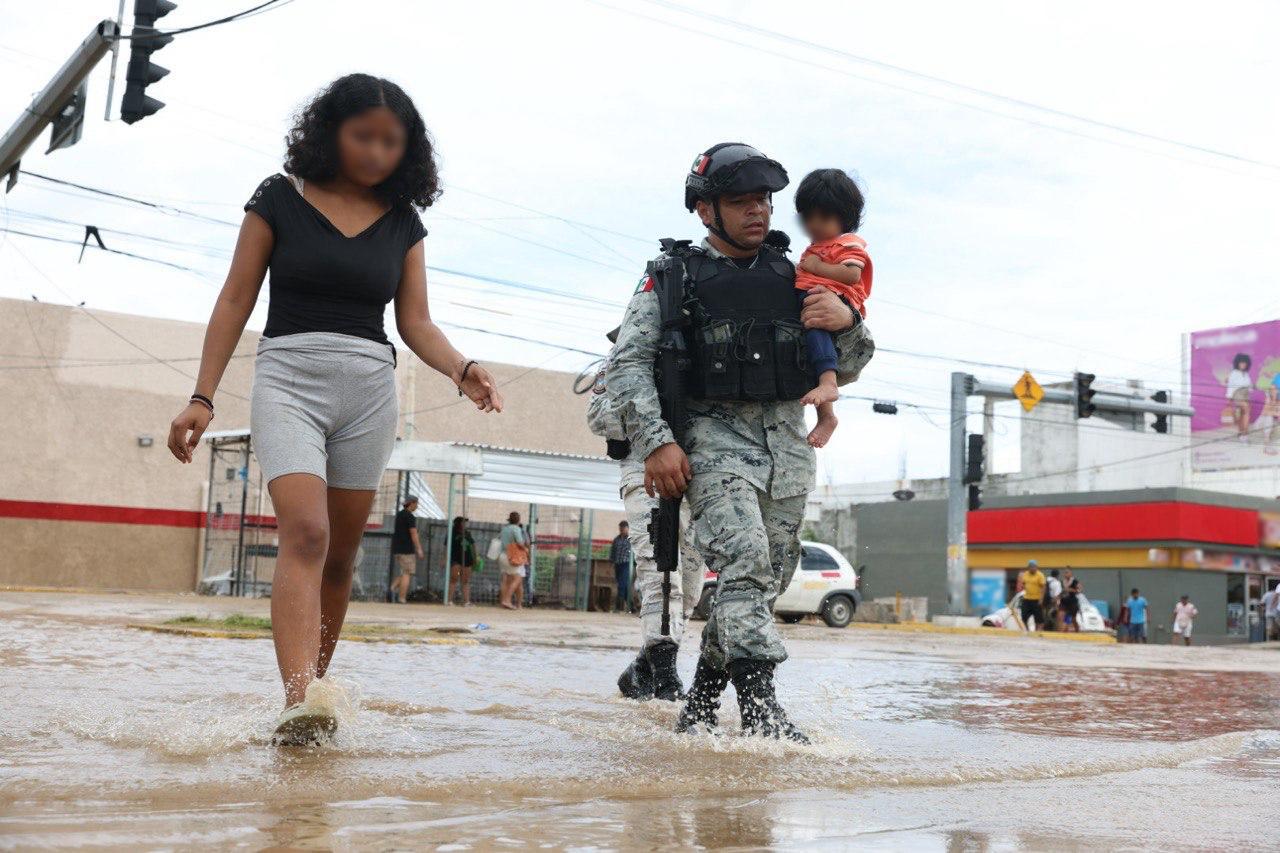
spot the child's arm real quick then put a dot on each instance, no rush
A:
(843, 273)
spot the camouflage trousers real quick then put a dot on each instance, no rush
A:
(686, 584)
(752, 542)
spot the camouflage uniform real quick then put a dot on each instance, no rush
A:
(686, 584)
(752, 471)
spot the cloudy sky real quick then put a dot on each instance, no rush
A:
(1048, 187)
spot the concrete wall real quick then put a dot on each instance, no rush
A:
(75, 396)
(904, 549)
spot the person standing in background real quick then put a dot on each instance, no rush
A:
(1053, 596)
(1137, 617)
(462, 558)
(406, 547)
(1070, 607)
(1271, 612)
(1032, 583)
(1184, 614)
(514, 560)
(620, 556)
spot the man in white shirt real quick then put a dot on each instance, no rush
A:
(1271, 610)
(1184, 614)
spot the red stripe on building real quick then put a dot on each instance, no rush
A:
(100, 513)
(1144, 522)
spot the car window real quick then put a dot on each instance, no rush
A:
(817, 560)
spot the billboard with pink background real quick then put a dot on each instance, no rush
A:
(1235, 391)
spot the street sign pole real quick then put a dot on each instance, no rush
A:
(957, 536)
(1030, 393)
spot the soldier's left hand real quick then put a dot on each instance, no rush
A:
(823, 309)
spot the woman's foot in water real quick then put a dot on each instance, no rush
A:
(310, 722)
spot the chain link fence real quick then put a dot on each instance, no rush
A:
(241, 543)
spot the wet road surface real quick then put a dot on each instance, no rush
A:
(116, 737)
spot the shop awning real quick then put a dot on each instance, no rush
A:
(554, 479)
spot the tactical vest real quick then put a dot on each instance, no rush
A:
(745, 341)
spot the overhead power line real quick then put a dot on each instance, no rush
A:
(973, 90)
(220, 21)
(132, 199)
(755, 48)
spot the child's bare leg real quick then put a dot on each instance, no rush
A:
(826, 391)
(826, 425)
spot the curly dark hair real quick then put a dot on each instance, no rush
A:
(313, 142)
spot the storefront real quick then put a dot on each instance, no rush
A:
(1221, 550)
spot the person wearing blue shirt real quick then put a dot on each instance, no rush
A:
(1137, 617)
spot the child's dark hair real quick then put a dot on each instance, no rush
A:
(1242, 357)
(313, 142)
(833, 192)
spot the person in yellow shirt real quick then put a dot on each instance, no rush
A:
(1032, 583)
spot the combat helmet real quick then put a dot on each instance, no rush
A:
(730, 168)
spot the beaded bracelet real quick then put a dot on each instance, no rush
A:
(465, 369)
(204, 401)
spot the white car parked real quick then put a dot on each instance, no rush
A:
(824, 583)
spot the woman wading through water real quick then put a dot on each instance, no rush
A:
(340, 236)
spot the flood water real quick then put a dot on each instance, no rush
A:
(114, 737)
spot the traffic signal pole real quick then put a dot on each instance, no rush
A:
(964, 386)
(60, 94)
(957, 507)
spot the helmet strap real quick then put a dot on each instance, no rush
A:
(718, 228)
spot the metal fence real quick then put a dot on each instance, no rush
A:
(239, 538)
(240, 541)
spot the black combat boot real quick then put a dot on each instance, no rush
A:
(703, 699)
(761, 713)
(662, 662)
(636, 681)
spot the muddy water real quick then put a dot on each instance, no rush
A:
(117, 737)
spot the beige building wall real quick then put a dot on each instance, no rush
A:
(82, 503)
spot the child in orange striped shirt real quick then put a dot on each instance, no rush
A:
(830, 206)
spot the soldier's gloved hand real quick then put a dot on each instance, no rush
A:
(667, 472)
(824, 309)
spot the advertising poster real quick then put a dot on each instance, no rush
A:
(986, 591)
(1235, 391)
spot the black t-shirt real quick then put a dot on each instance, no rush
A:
(464, 550)
(401, 542)
(322, 280)
(1070, 603)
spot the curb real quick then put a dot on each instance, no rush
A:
(232, 634)
(929, 628)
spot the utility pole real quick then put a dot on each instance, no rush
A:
(957, 534)
(60, 103)
(1080, 396)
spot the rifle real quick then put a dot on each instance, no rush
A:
(668, 272)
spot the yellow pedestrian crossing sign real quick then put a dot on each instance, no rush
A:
(1028, 391)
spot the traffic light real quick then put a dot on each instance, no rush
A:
(975, 498)
(1161, 424)
(884, 408)
(145, 40)
(1084, 395)
(974, 460)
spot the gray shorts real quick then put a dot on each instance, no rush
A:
(325, 404)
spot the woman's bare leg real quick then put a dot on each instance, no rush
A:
(348, 515)
(301, 511)
(465, 577)
(455, 579)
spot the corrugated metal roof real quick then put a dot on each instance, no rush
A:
(554, 479)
